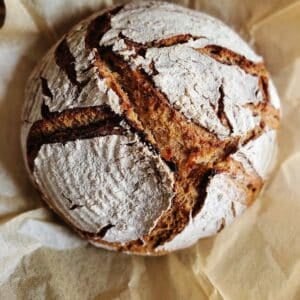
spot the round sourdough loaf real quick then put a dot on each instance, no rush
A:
(149, 126)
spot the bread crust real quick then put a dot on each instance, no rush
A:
(202, 144)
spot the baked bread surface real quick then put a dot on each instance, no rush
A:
(149, 126)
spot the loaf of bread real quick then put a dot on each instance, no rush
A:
(149, 126)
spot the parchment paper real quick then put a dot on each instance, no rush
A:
(257, 257)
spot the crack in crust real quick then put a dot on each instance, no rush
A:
(69, 125)
(70, 118)
(45, 89)
(102, 232)
(203, 184)
(192, 153)
(226, 56)
(66, 61)
(221, 111)
(140, 49)
(99, 26)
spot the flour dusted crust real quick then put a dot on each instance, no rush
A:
(136, 186)
(149, 126)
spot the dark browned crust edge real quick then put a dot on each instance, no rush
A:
(70, 125)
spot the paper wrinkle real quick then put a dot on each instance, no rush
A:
(256, 257)
(273, 14)
(49, 235)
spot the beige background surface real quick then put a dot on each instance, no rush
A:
(257, 257)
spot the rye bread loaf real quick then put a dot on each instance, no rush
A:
(149, 126)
